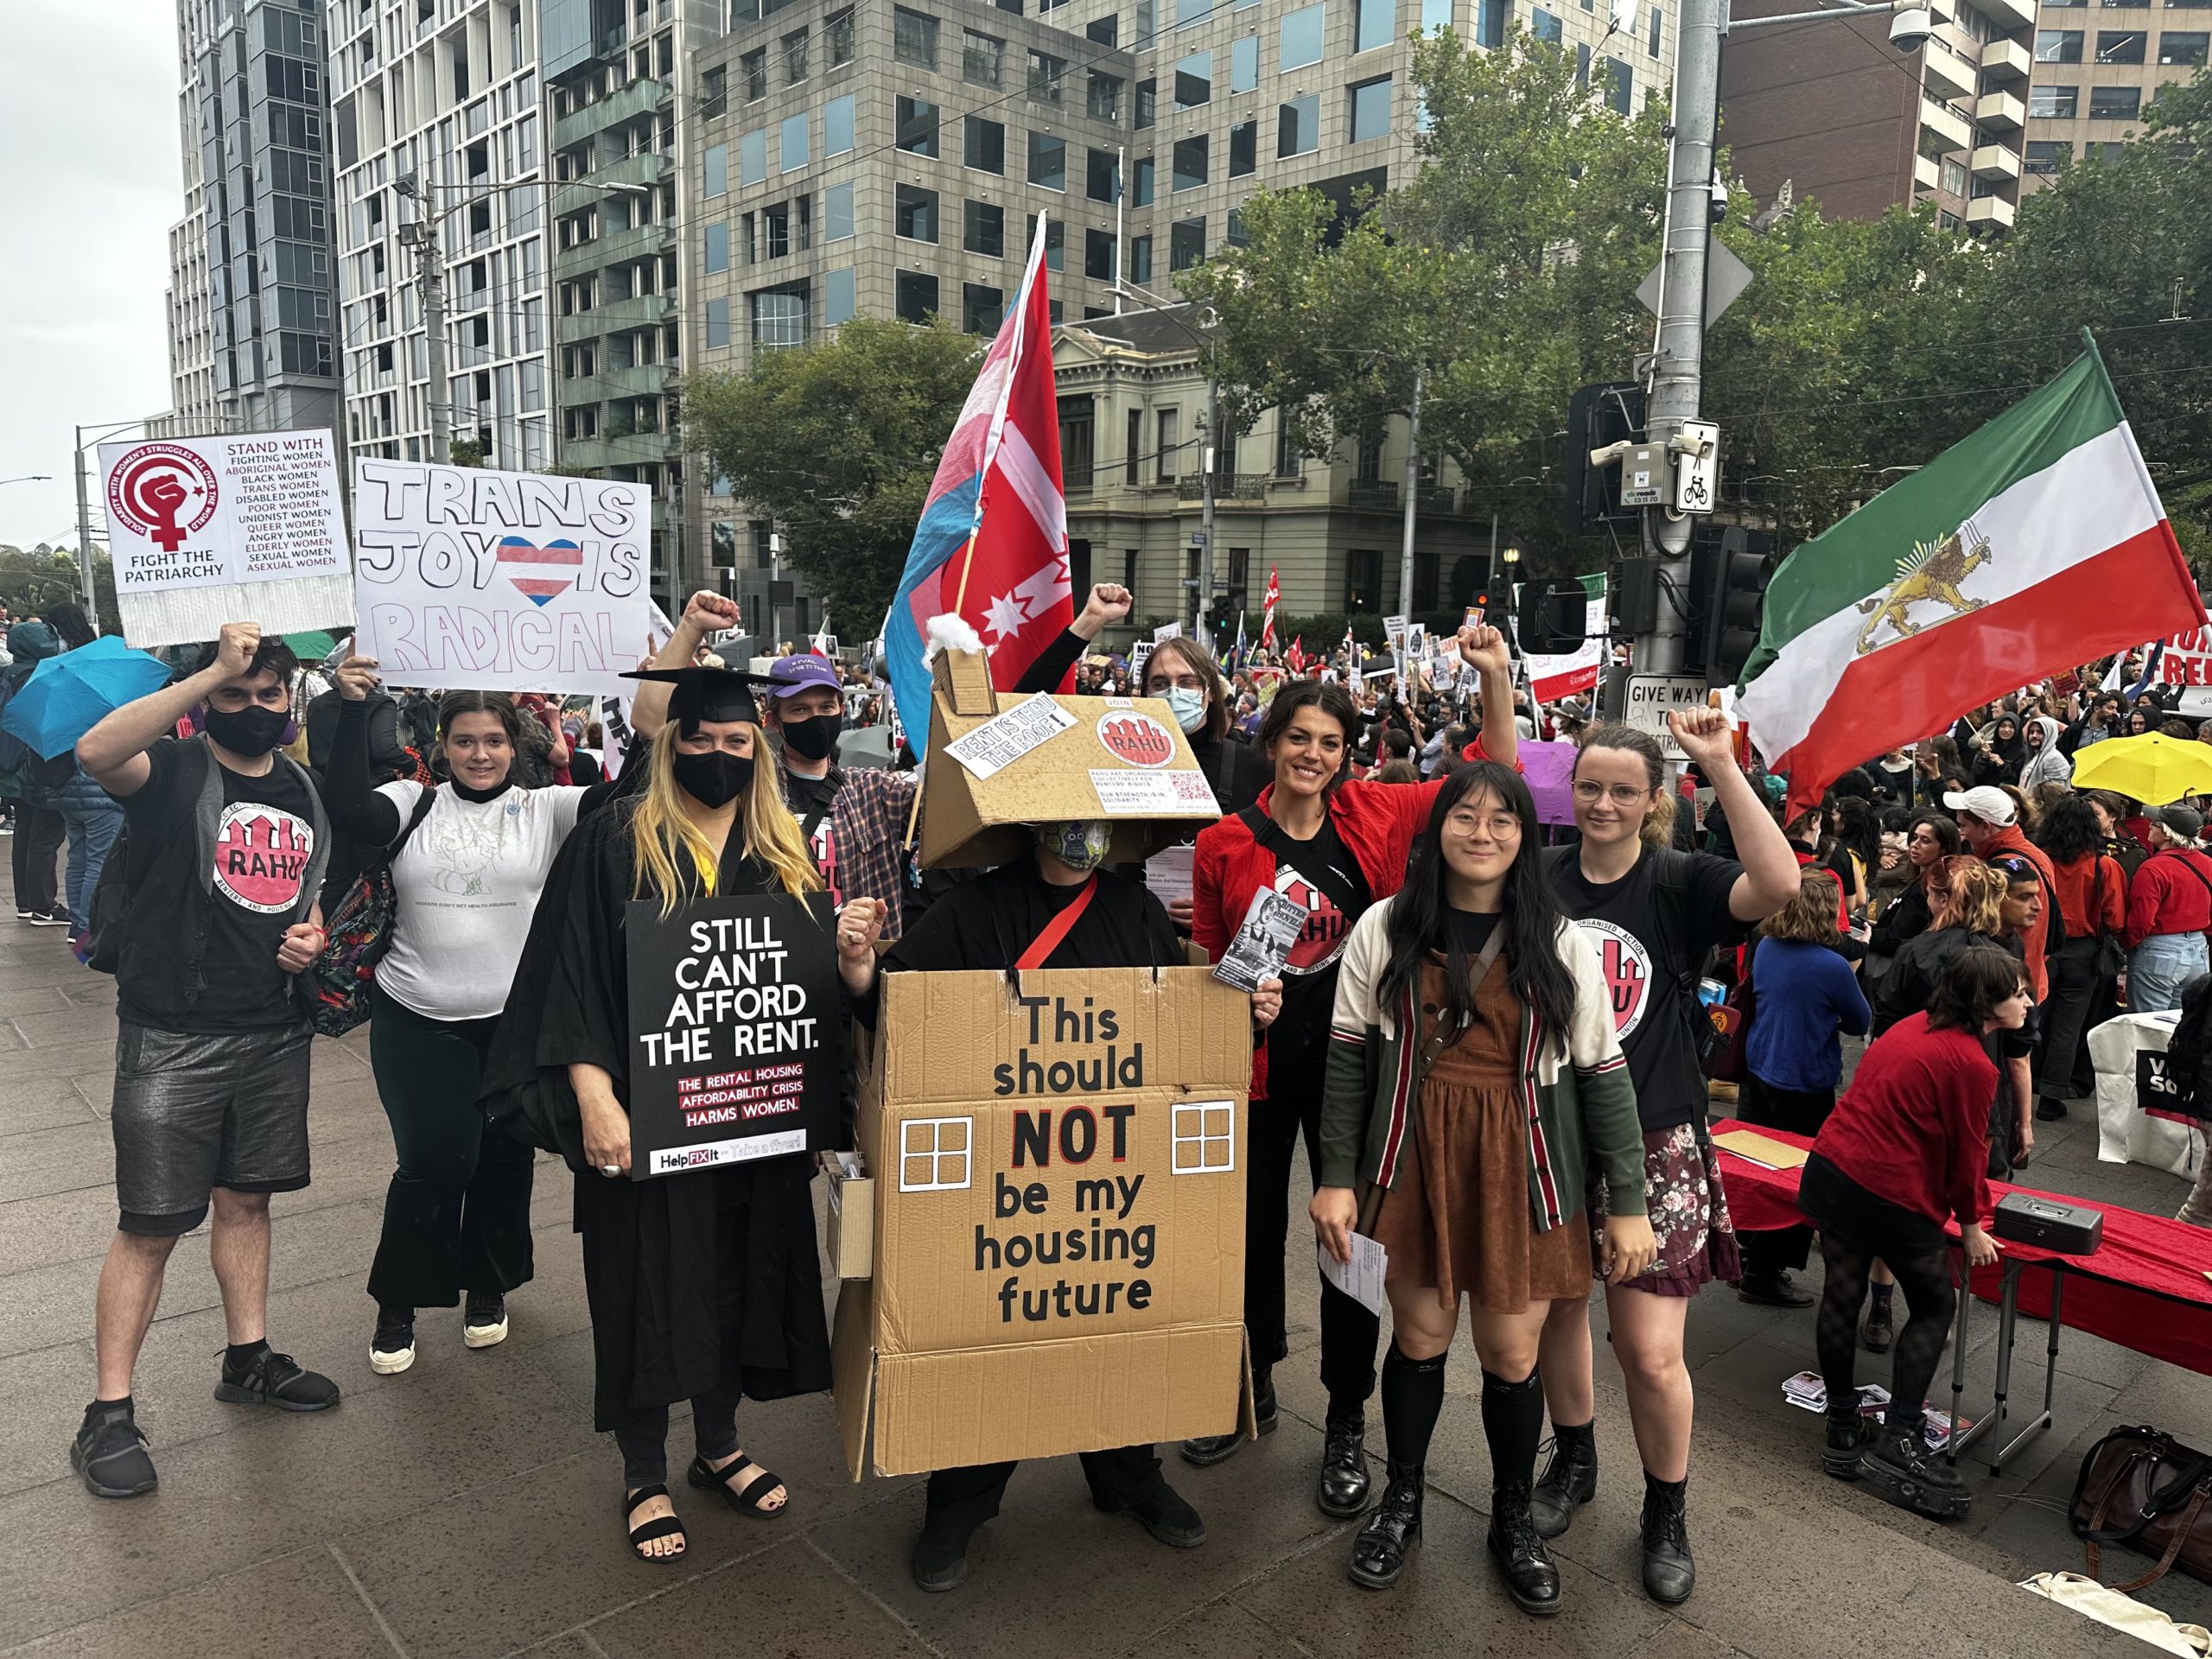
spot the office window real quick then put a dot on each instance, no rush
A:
(1104, 31)
(982, 145)
(1374, 22)
(753, 66)
(1147, 105)
(1435, 15)
(778, 319)
(752, 157)
(1167, 450)
(1621, 84)
(1371, 110)
(1301, 38)
(1651, 41)
(1186, 243)
(1544, 26)
(749, 239)
(1489, 23)
(1288, 463)
(1098, 256)
(1245, 64)
(792, 144)
(1132, 449)
(913, 39)
(837, 33)
(1148, 22)
(1103, 99)
(2058, 45)
(1048, 161)
(982, 58)
(717, 324)
(1190, 11)
(794, 57)
(1237, 236)
(2044, 155)
(716, 245)
(913, 295)
(2121, 46)
(776, 229)
(982, 309)
(1102, 176)
(1047, 75)
(1951, 175)
(914, 213)
(1140, 258)
(1297, 126)
(1243, 149)
(982, 229)
(714, 94)
(837, 213)
(2184, 48)
(837, 126)
(1194, 80)
(1141, 187)
(1056, 241)
(837, 305)
(715, 165)
(1362, 580)
(2052, 102)
(2115, 103)
(1582, 63)
(1191, 156)
(916, 129)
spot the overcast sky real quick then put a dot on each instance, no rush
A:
(90, 182)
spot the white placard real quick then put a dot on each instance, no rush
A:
(1153, 794)
(1168, 631)
(215, 529)
(1361, 1278)
(500, 581)
(1167, 872)
(1004, 739)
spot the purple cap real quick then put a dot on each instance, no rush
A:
(788, 676)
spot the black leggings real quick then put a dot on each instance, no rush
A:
(1856, 1228)
(644, 1439)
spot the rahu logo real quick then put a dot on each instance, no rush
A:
(163, 492)
(1627, 968)
(1321, 938)
(1929, 576)
(261, 857)
(1138, 739)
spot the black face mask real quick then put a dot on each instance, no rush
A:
(714, 779)
(813, 739)
(249, 731)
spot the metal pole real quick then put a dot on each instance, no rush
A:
(1678, 372)
(1413, 490)
(430, 277)
(1121, 240)
(1206, 454)
(1490, 583)
(85, 538)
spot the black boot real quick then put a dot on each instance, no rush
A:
(1570, 1479)
(1899, 1465)
(1345, 1482)
(1531, 1575)
(1379, 1552)
(1846, 1441)
(1878, 1333)
(1206, 1450)
(1669, 1574)
(940, 1557)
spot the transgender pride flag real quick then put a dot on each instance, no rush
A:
(540, 573)
(992, 544)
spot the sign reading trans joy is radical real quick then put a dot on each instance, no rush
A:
(500, 581)
(206, 530)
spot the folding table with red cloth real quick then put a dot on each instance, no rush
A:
(2147, 1288)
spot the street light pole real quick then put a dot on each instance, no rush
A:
(1207, 453)
(1413, 489)
(85, 538)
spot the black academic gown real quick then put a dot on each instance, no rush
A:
(694, 1282)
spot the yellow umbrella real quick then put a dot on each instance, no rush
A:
(2153, 768)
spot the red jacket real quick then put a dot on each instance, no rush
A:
(1914, 1126)
(2092, 883)
(2010, 840)
(2166, 897)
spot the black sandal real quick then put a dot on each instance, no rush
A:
(666, 1526)
(707, 1478)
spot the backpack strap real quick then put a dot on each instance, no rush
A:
(1350, 893)
(318, 829)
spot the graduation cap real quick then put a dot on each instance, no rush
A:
(716, 694)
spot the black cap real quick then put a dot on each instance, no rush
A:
(716, 694)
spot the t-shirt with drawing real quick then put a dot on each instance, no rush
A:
(814, 798)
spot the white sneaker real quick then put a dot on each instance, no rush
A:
(485, 1323)
(392, 1351)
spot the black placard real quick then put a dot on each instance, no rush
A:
(734, 1031)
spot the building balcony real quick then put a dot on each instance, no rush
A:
(644, 167)
(2007, 60)
(1995, 162)
(646, 311)
(649, 380)
(1927, 172)
(1947, 125)
(618, 449)
(639, 97)
(2002, 110)
(1944, 72)
(617, 248)
(1991, 214)
(1374, 495)
(1227, 487)
(2010, 14)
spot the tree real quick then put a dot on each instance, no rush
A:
(837, 443)
(32, 579)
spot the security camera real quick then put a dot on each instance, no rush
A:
(1606, 457)
(1717, 204)
(1909, 30)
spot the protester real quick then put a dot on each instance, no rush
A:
(2090, 889)
(1989, 821)
(1055, 908)
(90, 816)
(1999, 751)
(1932, 839)
(2046, 762)
(226, 845)
(1902, 1155)
(1806, 997)
(1469, 1148)
(1654, 915)
(705, 1286)
(2169, 907)
(1184, 675)
(28, 785)
(1338, 845)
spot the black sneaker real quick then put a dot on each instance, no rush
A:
(109, 1453)
(1163, 1513)
(392, 1351)
(273, 1379)
(940, 1558)
(2048, 1110)
(485, 1323)
(46, 918)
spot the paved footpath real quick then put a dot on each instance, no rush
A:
(466, 1508)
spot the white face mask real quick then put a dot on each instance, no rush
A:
(1190, 707)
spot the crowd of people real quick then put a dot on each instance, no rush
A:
(1489, 1035)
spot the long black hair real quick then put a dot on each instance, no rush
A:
(2068, 830)
(1419, 921)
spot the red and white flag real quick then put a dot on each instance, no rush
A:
(1267, 612)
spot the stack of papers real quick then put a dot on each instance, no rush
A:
(1807, 1392)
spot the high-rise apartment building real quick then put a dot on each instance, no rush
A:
(436, 121)
(2097, 70)
(252, 291)
(1832, 109)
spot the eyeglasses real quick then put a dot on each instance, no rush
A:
(1620, 794)
(1465, 821)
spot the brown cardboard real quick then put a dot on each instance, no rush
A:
(852, 1221)
(967, 820)
(993, 1108)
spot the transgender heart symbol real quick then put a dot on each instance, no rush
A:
(541, 573)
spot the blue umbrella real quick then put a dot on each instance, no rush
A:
(67, 696)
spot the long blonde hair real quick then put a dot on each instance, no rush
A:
(1976, 896)
(661, 828)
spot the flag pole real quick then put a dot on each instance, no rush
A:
(1030, 274)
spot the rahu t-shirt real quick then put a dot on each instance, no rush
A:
(1653, 1011)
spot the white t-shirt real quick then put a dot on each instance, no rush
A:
(468, 880)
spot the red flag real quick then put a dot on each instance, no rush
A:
(1267, 615)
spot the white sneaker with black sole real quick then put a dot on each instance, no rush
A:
(392, 1351)
(485, 1323)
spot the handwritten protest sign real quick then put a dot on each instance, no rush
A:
(500, 581)
(215, 529)
(734, 1031)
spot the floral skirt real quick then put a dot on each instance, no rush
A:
(1688, 1211)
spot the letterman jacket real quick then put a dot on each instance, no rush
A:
(1580, 1106)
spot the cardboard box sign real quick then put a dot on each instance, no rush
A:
(851, 1238)
(1121, 757)
(1058, 1160)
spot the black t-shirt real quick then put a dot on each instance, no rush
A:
(811, 798)
(263, 843)
(989, 922)
(1298, 1042)
(1644, 970)
(1471, 929)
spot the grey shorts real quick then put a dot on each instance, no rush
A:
(194, 1113)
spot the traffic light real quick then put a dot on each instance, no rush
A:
(1554, 616)
(1734, 602)
(1596, 416)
